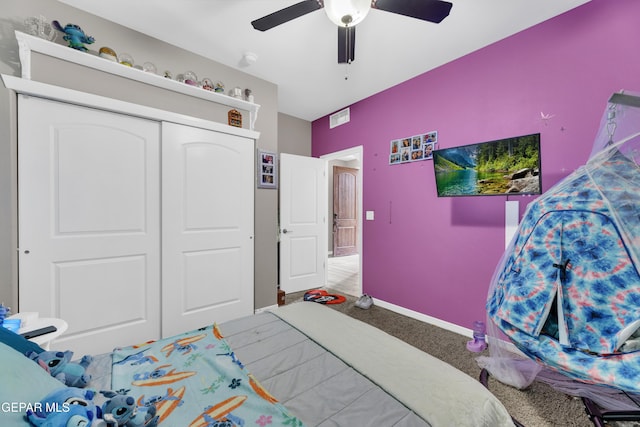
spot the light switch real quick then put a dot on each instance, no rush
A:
(369, 215)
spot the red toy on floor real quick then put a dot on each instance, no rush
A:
(323, 297)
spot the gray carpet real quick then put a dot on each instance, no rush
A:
(538, 406)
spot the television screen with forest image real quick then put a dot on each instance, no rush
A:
(509, 166)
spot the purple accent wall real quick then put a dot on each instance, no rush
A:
(435, 255)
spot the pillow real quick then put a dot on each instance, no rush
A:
(18, 342)
(23, 382)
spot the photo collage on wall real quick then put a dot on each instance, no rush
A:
(267, 169)
(413, 148)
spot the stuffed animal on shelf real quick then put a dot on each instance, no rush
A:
(123, 410)
(74, 35)
(60, 366)
(65, 407)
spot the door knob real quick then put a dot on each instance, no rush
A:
(285, 231)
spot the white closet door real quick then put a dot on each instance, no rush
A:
(207, 227)
(89, 223)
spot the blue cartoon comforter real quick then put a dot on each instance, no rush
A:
(196, 380)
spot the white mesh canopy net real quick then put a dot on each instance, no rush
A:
(566, 292)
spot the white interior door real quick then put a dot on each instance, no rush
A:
(207, 227)
(303, 227)
(89, 223)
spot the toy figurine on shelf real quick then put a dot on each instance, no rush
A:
(108, 53)
(150, 67)
(126, 60)
(74, 35)
(207, 84)
(236, 92)
(248, 96)
(190, 78)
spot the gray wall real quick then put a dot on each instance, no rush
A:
(165, 57)
(294, 136)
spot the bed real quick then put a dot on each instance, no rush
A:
(300, 364)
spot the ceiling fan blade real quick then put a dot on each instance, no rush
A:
(427, 10)
(287, 14)
(346, 44)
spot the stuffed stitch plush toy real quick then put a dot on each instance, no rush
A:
(60, 366)
(73, 417)
(123, 410)
(65, 407)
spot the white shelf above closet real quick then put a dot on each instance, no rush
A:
(28, 44)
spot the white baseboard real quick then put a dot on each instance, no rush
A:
(424, 318)
(452, 327)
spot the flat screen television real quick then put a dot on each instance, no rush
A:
(509, 166)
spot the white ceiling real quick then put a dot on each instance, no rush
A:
(300, 56)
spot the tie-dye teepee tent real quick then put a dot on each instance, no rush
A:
(567, 290)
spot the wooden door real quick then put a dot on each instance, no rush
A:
(89, 223)
(207, 227)
(303, 234)
(345, 211)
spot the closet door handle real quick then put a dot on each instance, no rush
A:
(285, 231)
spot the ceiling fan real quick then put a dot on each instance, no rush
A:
(346, 14)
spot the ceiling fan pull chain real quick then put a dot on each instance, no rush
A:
(347, 47)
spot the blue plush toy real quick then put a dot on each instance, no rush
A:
(65, 407)
(123, 410)
(74, 35)
(73, 417)
(60, 366)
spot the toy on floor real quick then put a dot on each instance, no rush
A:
(60, 366)
(323, 297)
(478, 343)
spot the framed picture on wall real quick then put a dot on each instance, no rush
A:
(414, 148)
(267, 169)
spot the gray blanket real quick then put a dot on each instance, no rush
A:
(332, 370)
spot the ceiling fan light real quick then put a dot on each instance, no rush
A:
(347, 13)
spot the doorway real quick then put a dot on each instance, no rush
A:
(344, 273)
